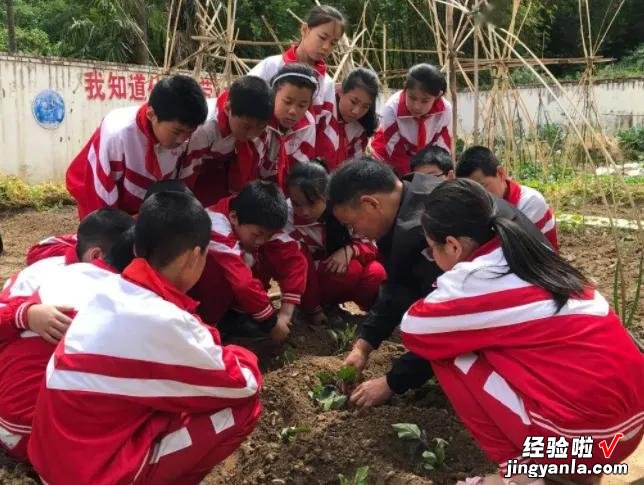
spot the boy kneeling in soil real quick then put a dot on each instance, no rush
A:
(140, 390)
(31, 331)
(481, 165)
(136, 146)
(248, 247)
(521, 342)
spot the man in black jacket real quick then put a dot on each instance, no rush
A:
(368, 198)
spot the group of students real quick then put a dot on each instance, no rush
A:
(112, 366)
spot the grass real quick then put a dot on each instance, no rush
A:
(17, 194)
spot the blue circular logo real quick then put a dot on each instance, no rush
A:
(49, 109)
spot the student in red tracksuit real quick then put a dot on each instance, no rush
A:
(433, 160)
(480, 164)
(417, 116)
(248, 247)
(341, 267)
(520, 341)
(355, 118)
(95, 236)
(323, 28)
(290, 135)
(65, 244)
(137, 146)
(140, 390)
(236, 117)
(26, 351)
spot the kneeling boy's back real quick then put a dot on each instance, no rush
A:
(140, 390)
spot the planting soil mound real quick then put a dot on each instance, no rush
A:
(334, 442)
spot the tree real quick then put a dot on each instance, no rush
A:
(11, 27)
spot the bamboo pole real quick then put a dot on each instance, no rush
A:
(476, 86)
(449, 27)
(384, 55)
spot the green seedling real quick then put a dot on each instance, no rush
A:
(288, 435)
(360, 478)
(427, 455)
(344, 338)
(333, 388)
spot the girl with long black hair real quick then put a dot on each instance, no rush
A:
(522, 344)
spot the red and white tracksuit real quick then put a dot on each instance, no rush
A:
(141, 391)
(400, 135)
(352, 142)
(323, 101)
(274, 153)
(120, 162)
(234, 278)
(534, 206)
(214, 148)
(359, 284)
(27, 281)
(24, 354)
(513, 367)
(61, 245)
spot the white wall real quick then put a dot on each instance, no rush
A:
(37, 154)
(620, 104)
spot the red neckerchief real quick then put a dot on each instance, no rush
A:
(513, 194)
(70, 255)
(223, 122)
(283, 161)
(142, 274)
(291, 56)
(342, 135)
(437, 107)
(151, 160)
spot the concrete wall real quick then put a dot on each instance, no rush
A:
(38, 152)
(620, 104)
(89, 90)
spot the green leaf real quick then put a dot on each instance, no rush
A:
(407, 431)
(343, 480)
(440, 455)
(326, 378)
(361, 475)
(429, 458)
(348, 374)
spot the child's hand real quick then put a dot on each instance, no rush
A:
(318, 318)
(49, 321)
(338, 262)
(359, 355)
(281, 330)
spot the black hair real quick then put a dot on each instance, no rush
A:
(102, 228)
(252, 97)
(366, 79)
(433, 155)
(121, 253)
(427, 77)
(312, 178)
(298, 69)
(462, 207)
(323, 14)
(170, 223)
(179, 98)
(170, 185)
(261, 203)
(358, 177)
(475, 158)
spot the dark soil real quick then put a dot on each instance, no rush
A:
(337, 441)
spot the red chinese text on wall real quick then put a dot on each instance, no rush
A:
(134, 86)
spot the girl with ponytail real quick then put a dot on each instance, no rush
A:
(520, 341)
(342, 267)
